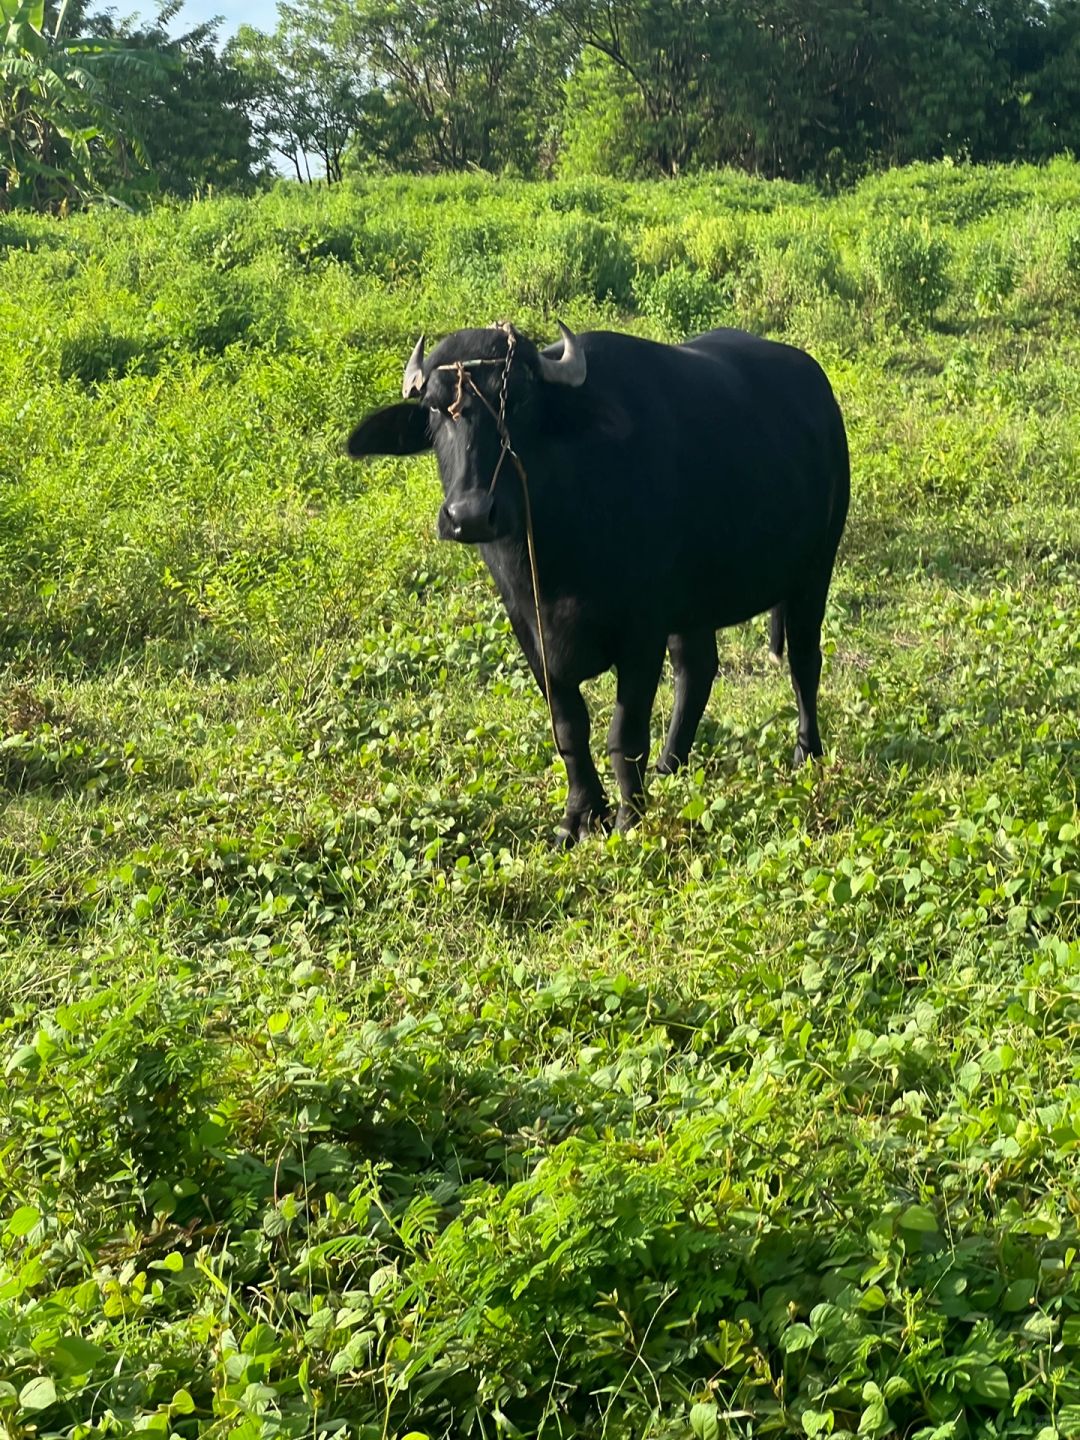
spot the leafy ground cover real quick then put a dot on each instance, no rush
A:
(333, 1101)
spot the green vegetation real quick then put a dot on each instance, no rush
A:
(91, 107)
(661, 87)
(335, 1102)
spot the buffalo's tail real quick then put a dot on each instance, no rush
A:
(776, 634)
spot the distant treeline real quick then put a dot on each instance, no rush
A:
(807, 89)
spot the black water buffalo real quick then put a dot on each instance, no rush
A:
(673, 489)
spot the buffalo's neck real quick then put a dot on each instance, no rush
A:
(574, 641)
(508, 562)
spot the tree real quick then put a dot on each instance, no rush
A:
(452, 83)
(812, 87)
(59, 130)
(704, 76)
(1045, 68)
(603, 120)
(193, 117)
(302, 87)
(799, 88)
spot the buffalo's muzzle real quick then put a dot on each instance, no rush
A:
(469, 519)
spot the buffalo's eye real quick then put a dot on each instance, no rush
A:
(444, 410)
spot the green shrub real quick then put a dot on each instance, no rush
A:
(658, 247)
(735, 192)
(388, 248)
(905, 270)
(827, 322)
(990, 275)
(570, 257)
(717, 244)
(682, 302)
(206, 311)
(1069, 251)
(17, 234)
(1035, 237)
(95, 353)
(941, 194)
(785, 269)
(220, 234)
(585, 196)
(469, 251)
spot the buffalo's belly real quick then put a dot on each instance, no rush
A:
(719, 594)
(726, 584)
(712, 613)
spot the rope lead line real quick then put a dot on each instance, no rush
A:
(465, 378)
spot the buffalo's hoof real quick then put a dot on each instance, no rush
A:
(803, 753)
(775, 659)
(668, 764)
(579, 825)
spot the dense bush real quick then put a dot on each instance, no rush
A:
(682, 301)
(905, 268)
(558, 262)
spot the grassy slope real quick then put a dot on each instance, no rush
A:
(331, 1095)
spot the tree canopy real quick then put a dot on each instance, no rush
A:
(807, 89)
(800, 88)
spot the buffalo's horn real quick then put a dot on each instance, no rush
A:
(413, 381)
(570, 369)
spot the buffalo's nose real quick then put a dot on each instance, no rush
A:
(470, 517)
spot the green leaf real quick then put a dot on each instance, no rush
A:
(818, 1422)
(261, 1339)
(23, 1220)
(919, 1219)
(1018, 1296)
(182, 1403)
(39, 1394)
(991, 1383)
(505, 1426)
(830, 1321)
(875, 1419)
(795, 1338)
(895, 1386)
(155, 1424)
(25, 1057)
(1038, 1327)
(705, 1422)
(76, 1356)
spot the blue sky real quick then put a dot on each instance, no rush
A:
(262, 13)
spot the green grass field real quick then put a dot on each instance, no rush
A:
(334, 1102)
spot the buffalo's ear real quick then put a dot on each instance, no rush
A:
(397, 430)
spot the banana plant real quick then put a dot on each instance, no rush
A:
(58, 125)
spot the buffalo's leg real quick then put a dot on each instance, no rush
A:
(803, 615)
(586, 804)
(693, 658)
(628, 738)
